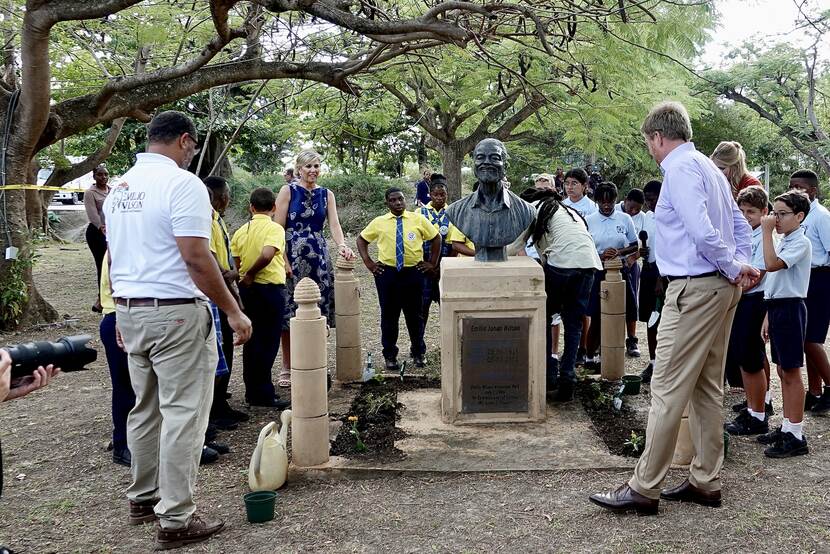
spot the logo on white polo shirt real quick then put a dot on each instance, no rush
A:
(124, 201)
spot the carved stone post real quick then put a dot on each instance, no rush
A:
(612, 334)
(684, 450)
(349, 365)
(309, 397)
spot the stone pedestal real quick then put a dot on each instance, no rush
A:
(612, 324)
(492, 341)
(309, 397)
(349, 365)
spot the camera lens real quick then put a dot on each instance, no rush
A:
(67, 353)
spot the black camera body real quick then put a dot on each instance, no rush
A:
(67, 353)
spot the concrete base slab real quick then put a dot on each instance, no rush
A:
(564, 441)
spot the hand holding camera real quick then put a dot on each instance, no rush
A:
(22, 368)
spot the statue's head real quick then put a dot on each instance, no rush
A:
(490, 161)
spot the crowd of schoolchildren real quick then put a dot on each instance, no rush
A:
(580, 224)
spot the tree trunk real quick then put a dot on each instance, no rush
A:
(452, 157)
(17, 274)
(422, 151)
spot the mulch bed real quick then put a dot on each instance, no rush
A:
(614, 426)
(376, 407)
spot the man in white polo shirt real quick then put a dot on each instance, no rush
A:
(158, 229)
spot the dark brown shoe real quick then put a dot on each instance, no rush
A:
(626, 499)
(687, 492)
(197, 530)
(142, 512)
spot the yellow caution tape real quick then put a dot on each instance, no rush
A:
(40, 187)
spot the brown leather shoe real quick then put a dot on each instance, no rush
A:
(142, 512)
(687, 492)
(197, 530)
(626, 499)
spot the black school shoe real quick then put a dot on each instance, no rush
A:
(632, 348)
(746, 424)
(787, 447)
(209, 456)
(770, 438)
(647, 373)
(122, 456)
(822, 405)
(810, 400)
(741, 406)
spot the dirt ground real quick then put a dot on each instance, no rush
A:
(63, 494)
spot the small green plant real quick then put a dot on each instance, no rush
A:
(376, 403)
(635, 442)
(355, 432)
(378, 378)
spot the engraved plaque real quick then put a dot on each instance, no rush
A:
(495, 364)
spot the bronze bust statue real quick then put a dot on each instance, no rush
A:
(492, 216)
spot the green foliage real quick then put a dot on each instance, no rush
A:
(377, 403)
(360, 197)
(14, 292)
(635, 442)
(243, 183)
(783, 85)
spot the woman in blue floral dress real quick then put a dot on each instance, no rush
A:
(303, 207)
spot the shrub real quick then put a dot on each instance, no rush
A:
(360, 197)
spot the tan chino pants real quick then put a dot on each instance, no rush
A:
(689, 368)
(172, 358)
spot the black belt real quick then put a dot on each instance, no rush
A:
(701, 276)
(821, 268)
(145, 302)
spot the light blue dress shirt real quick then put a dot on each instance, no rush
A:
(792, 282)
(817, 228)
(699, 226)
(613, 231)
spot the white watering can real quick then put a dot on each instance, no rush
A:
(269, 462)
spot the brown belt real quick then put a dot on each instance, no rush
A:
(145, 302)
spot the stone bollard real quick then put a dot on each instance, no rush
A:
(349, 366)
(612, 330)
(309, 397)
(684, 449)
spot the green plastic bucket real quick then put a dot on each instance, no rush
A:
(260, 506)
(631, 384)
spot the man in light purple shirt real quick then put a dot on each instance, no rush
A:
(702, 246)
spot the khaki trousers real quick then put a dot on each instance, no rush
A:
(172, 358)
(689, 367)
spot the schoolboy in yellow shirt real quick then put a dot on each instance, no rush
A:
(257, 248)
(400, 236)
(222, 415)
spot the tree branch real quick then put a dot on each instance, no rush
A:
(61, 176)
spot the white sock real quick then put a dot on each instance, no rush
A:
(757, 415)
(768, 397)
(651, 362)
(796, 429)
(785, 425)
(555, 356)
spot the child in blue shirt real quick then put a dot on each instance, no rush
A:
(614, 236)
(788, 269)
(746, 356)
(817, 228)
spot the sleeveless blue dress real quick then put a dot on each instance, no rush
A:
(307, 249)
